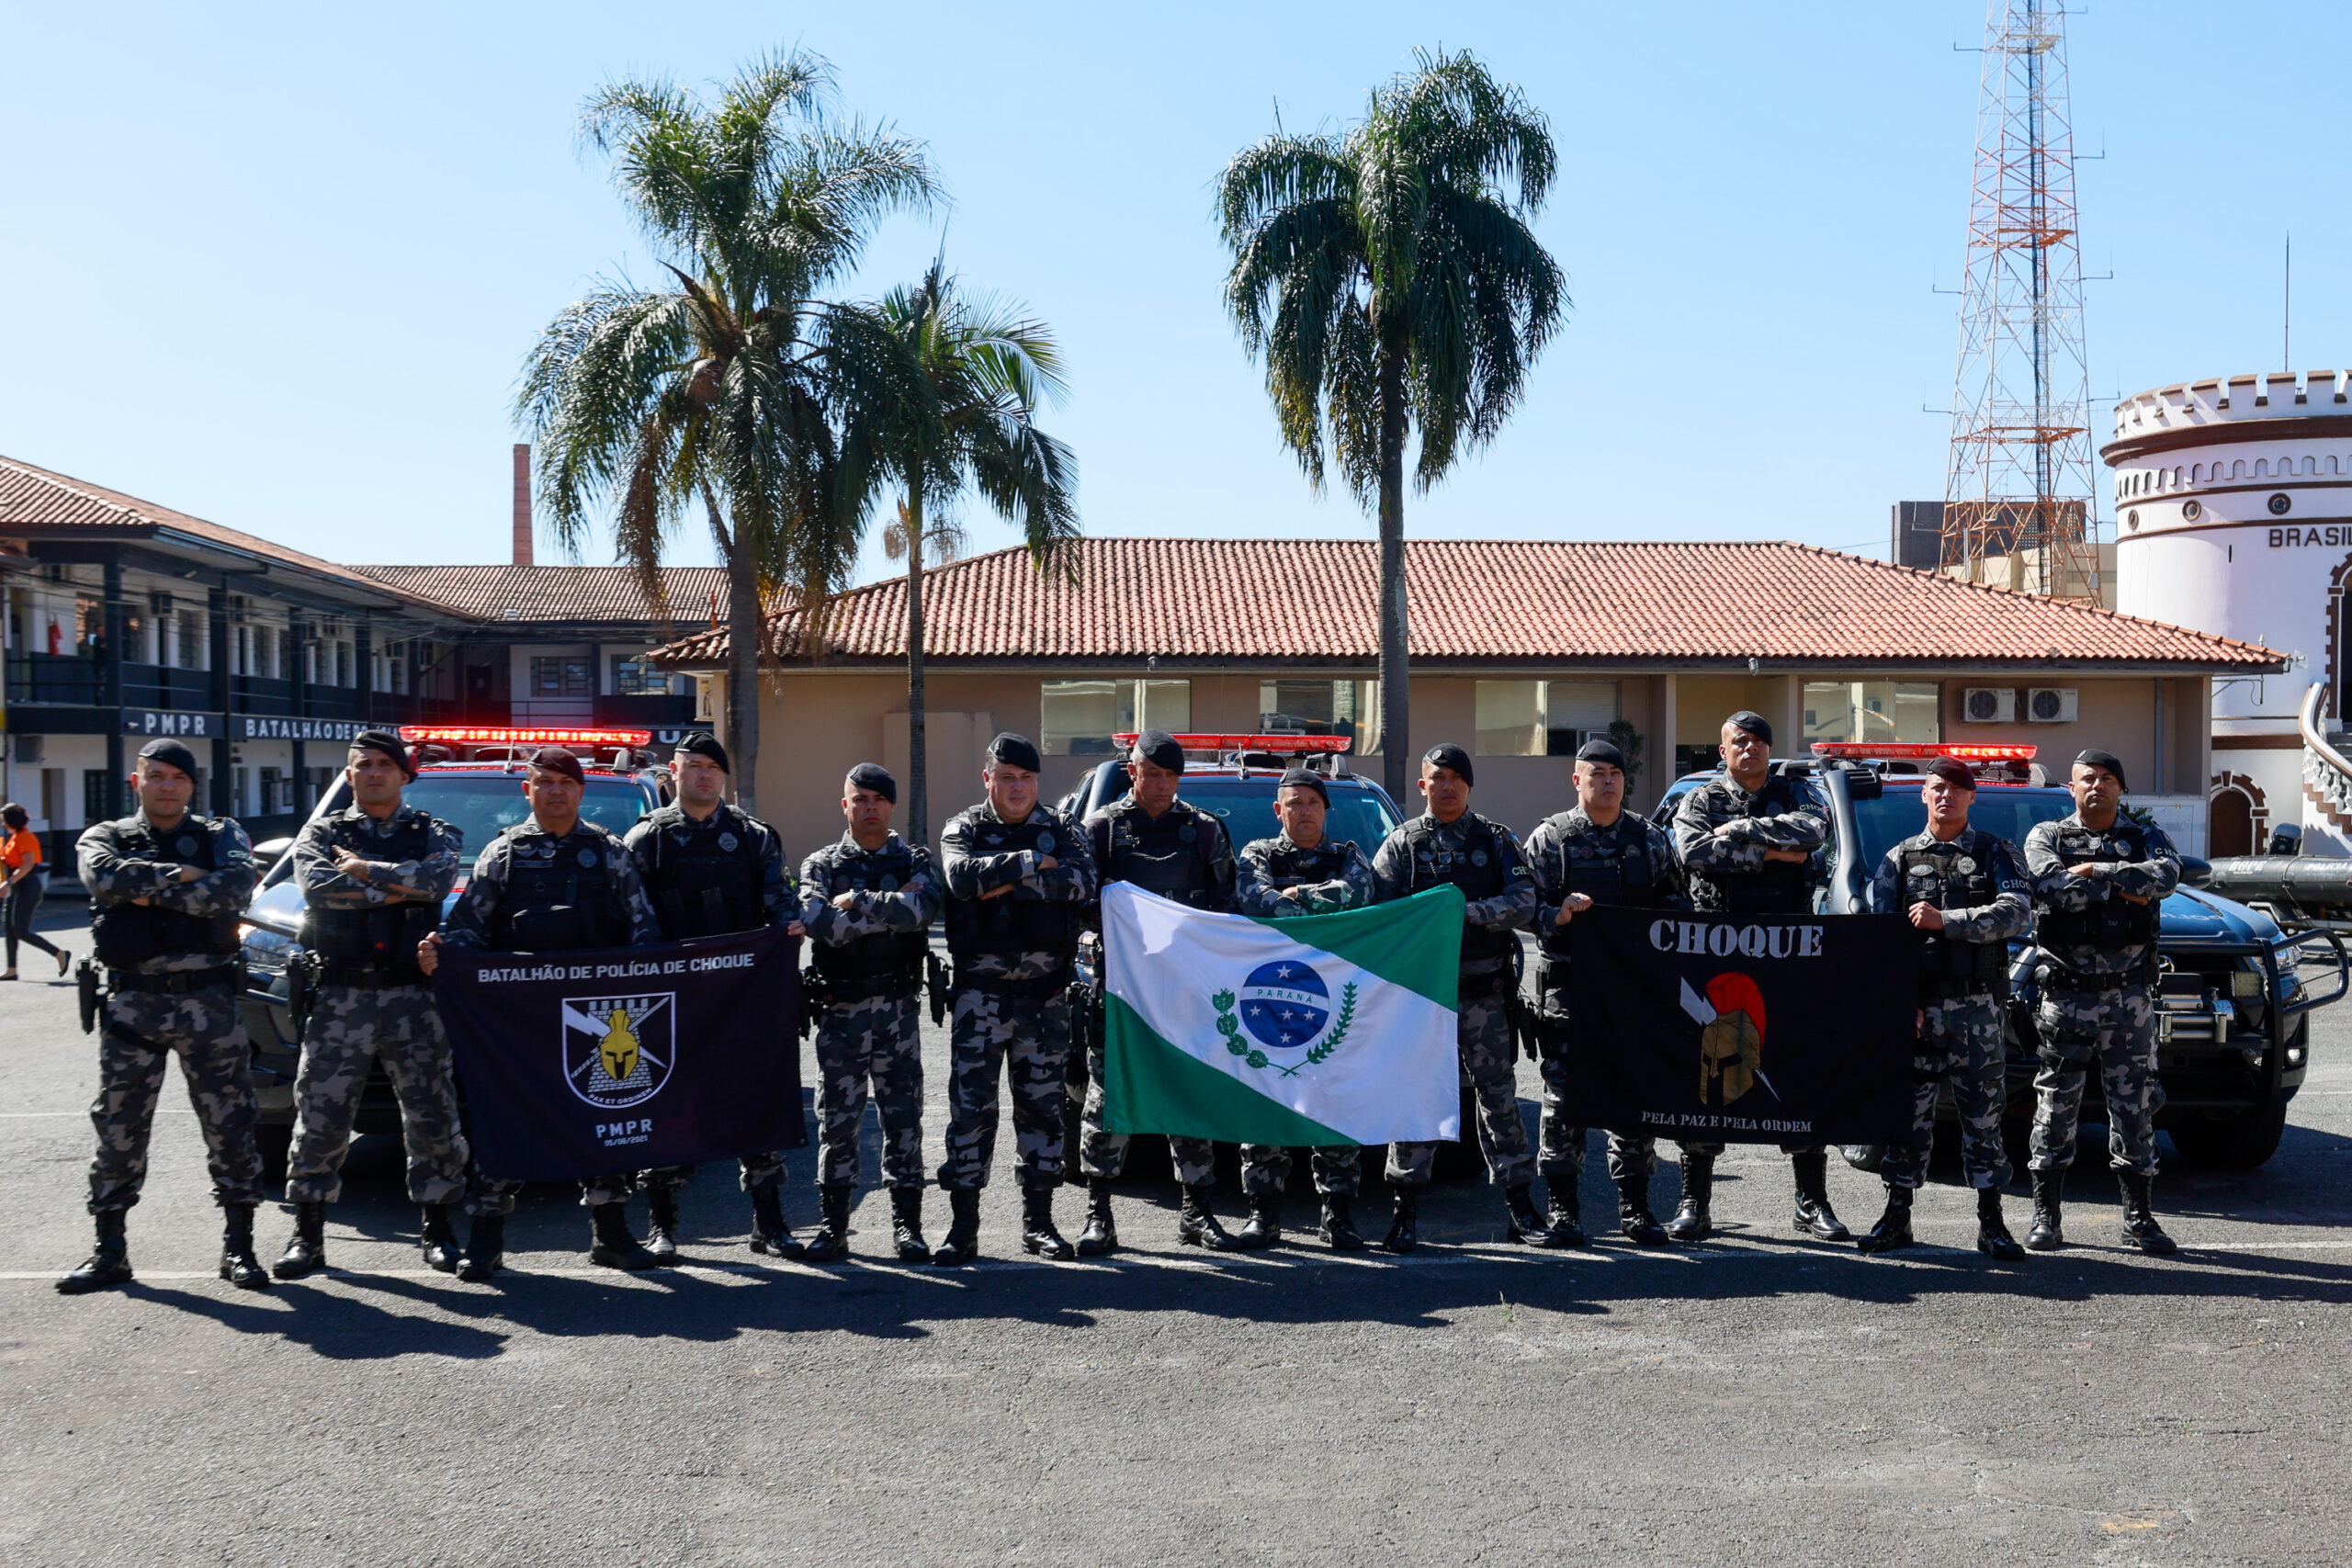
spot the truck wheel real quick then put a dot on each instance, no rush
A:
(276, 1141)
(2234, 1143)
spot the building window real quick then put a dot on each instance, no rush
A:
(1873, 710)
(101, 795)
(1542, 719)
(634, 676)
(1322, 707)
(192, 649)
(562, 675)
(1078, 717)
(275, 796)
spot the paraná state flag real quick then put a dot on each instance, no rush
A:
(1316, 1031)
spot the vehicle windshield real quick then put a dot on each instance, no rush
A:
(1246, 807)
(2004, 813)
(481, 806)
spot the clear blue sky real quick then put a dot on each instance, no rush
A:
(279, 270)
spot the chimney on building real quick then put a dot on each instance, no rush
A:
(522, 503)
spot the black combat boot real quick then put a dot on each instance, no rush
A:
(1633, 1217)
(1814, 1216)
(1339, 1228)
(485, 1248)
(1565, 1226)
(1265, 1223)
(1691, 1220)
(1037, 1232)
(906, 1225)
(962, 1243)
(437, 1239)
(110, 1262)
(612, 1247)
(1894, 1228)
(2139, 1227)
(662, 1224)
(1101, 1235)
(771, 1237)
(1404, 1228)
(238, 1264)
(1196, 1226)
(306, 1252)
(2048, 1232)
(1993, 1237)
(830, 1243)
(1522, 1221)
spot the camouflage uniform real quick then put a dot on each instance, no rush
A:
(871, 1040)
(475, 919)
(1265, 868)
(1422, 853)
(143, 1027)
(1011, 1016)
(353, 1025)
(779, 906)
(2097, 1001)
(1571, 840)
(1198, 873)
(1962, 1028)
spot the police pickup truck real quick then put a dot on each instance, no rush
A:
(478, 799)
(2234, 999)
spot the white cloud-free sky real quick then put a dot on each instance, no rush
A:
(279, 268)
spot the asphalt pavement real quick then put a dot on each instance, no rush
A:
(1758, 1400)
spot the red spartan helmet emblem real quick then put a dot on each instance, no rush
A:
(1731, 1049)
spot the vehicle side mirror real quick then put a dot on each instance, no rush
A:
(269, 849)
(2195, 873)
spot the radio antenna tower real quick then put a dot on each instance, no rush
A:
(2019, 488)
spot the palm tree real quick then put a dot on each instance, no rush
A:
(1390, 280)
(968, 423)
(721, 392)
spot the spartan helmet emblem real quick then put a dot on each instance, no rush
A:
(618, 1051)
(619, 1046)
(1731, 1037)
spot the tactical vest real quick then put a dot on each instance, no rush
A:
(1621, 876)
(1954, 880)
(1167, 854)
(1778, 887)
(1295, 867)
(1476, 868)
(129, 934)
(1016, 923)
(381, 939)
(561, 894)
(881, 960)
(710, 883)
(2113, 923)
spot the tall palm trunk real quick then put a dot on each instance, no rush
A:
(743, 657)
(917, 830)
(1395, 697)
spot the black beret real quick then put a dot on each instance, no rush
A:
(876, 777)
(1754, 723)
(703, 743)
(555, 759)
(1953, 772)
(1159, 749)
(1306, 778)
(173, 752)
(1602, 751)
(1446, 754)
(2093, 758)
(1016, 751)
(389, 744)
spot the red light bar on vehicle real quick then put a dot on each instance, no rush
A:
(486, 735)
(1864, 751)
(1255, 743)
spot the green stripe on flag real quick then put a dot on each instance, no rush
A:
(1150, 1086)
(1408, 942)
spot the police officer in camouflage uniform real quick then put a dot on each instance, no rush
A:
(1019, 877)
(165, 889)
(1966, 892)
(2098, 882)
(1594, 852)
(553, 882)
(1745, 841)
(1301, 871)
(1452, 843)
(712, 870)
(868, 902)
(1172, 848)
(373, 877)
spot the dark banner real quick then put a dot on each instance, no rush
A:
(578, 1063)
(1742, 1029)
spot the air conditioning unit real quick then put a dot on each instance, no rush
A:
(2050, 704)
(27, 748)
(1989, 705)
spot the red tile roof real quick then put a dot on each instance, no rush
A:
(1484, 601)
(560, 593)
